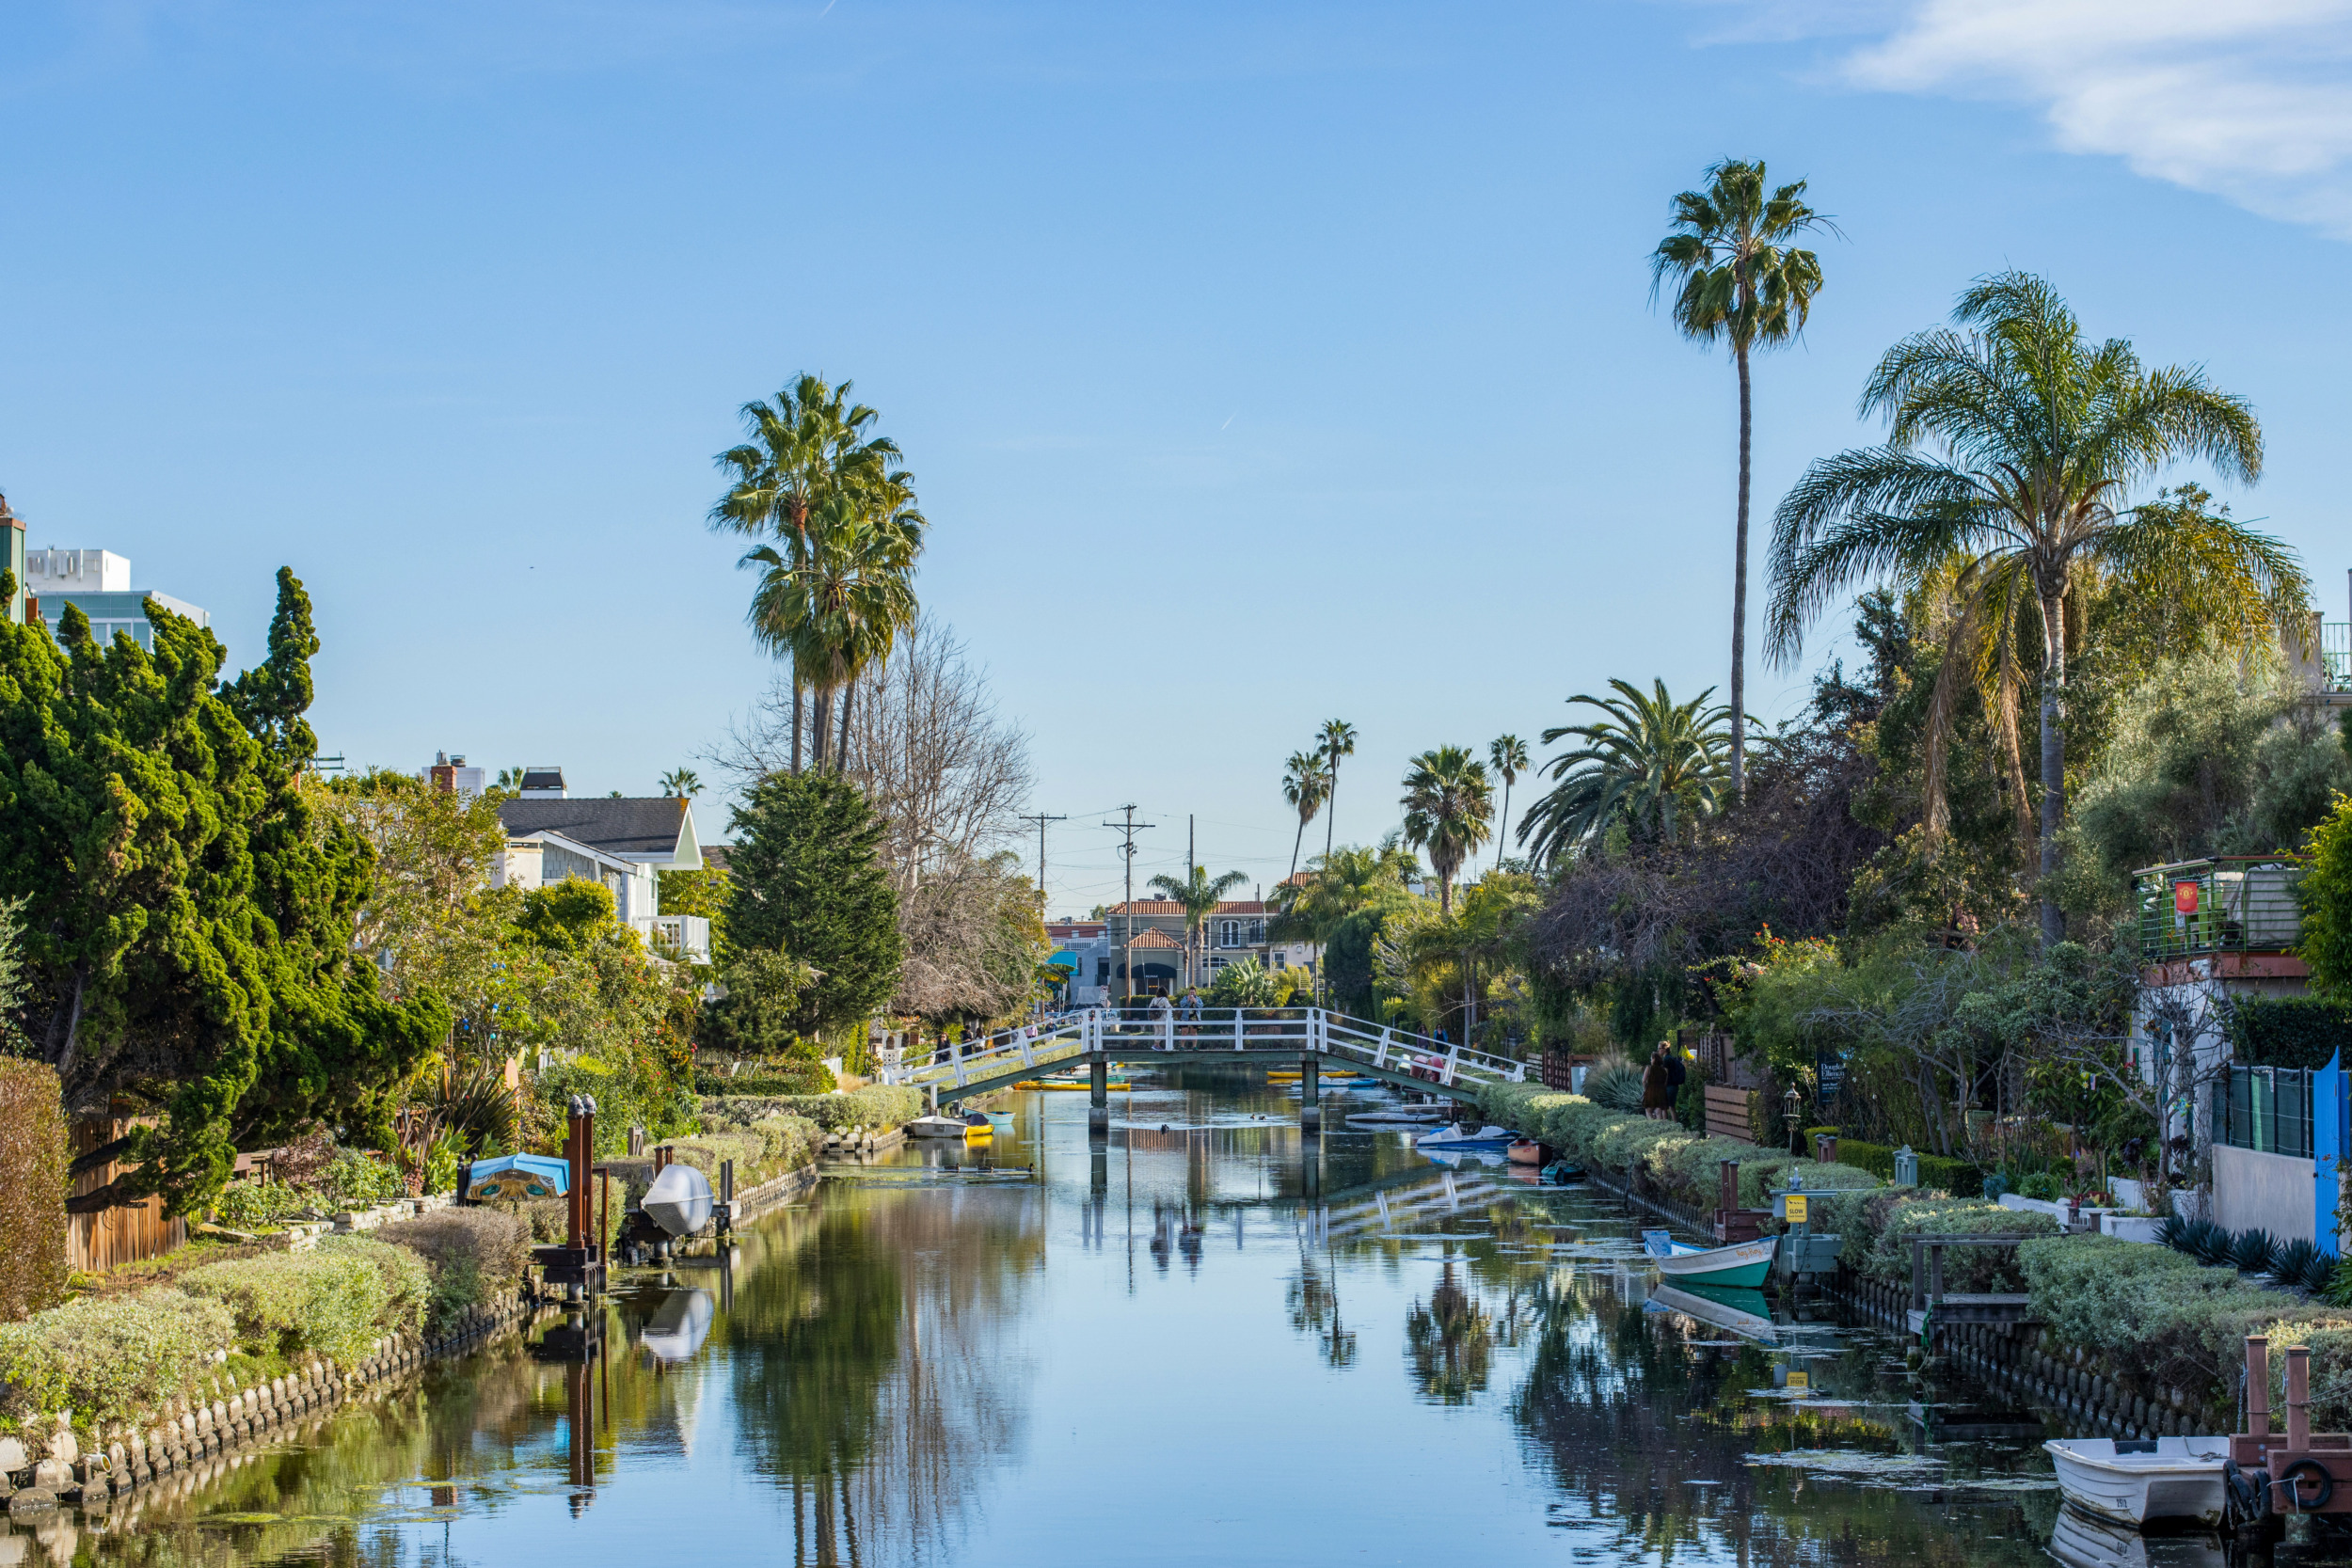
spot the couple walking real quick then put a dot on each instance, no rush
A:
(1661, 1082)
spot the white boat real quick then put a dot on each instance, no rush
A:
(1455, 1137)
(679, 1199)
(1745, 1264)
(1397, 1117)
(936, 1127)
(2132, 1480)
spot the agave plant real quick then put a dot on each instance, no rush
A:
(2172, 1231)
(1615, 1084)
(2293, 1261)
(2209, 1243)
(2253, 1250)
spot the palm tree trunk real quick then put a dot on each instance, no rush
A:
(841, 753)
(2052, 760)
(824, 715)
(1296, 839)
(798, 719)
(1505, 832)
(1739, 596)
(1330, 812)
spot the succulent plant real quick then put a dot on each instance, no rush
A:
(2253, 1250)
(2293, 1261)
(2172, 1231)
(2208, 1242)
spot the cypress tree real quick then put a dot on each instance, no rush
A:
(806, 879)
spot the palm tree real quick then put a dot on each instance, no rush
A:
(1338, 885)
(1306, 784)
(1338, 739)
(1447, 806)
(2011, 440)
(1652, 763)
(1199, 893)
(682, 782)
(1508, 757)
(839, 600)
(809, 443)
(1740, 281)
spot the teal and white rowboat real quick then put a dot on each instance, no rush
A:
(1741, 1263)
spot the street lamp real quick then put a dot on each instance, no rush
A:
(1792, 1108)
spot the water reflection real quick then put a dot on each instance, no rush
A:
(1167, 1348)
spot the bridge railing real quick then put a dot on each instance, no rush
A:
(1241, 1030)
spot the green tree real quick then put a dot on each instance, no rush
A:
(759, 1014)
(807, 446)
(1740, 281)
(1339, 906)
(1652, 766)
(1199, 893)
(805, 880)
(1338, 740)
(682, 782)
(189, 913)
(1508, 757)
(2011, 442)
(1449, 809)
(2326, 944)
(1306, 784)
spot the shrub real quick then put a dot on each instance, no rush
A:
(108, 1357)
(260, 1205)
(32, 1188)
(2155, 1311)
(2300, 1263)
(2040, 1186)
(875, 1105)
(336, 1300)
(1881, 1246)
(2253, 1250)
(791, 1076)
(473, 1255)
(1615, 1084)
(2290, 1031)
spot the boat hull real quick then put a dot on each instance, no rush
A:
(1746, 1264)
(2181, 1479)
(679, 1200)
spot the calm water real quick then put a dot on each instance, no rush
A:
(1207, 1343)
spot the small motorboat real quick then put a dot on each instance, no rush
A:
(977, 1125)
(2132, 1480)
(1000, 1121)
(679, 1199)
(1397, 1117)
(518, 1176)
(1456, 1138)
(1526, 1151)
(1741, 1263)
(936, 1126)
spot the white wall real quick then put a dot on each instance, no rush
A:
(2272, 1191)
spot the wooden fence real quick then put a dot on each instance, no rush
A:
(121, 1235)
(1727, 1113)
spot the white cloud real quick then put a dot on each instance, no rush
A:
(2247, 100)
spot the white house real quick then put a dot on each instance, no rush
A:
(622, 842)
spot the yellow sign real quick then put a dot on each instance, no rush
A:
(1795, 1209)
(1799, 1381)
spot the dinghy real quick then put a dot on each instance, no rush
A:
(1399, 1117)
(2135, 1480)
(1455, 1138)
(1741, 1263)
(936, 1127)
(1526, 1151)
(679, 1199)
(518, 1176)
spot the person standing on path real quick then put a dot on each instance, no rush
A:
(1657, 1095)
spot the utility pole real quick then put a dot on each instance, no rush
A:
(1127, 932)
(1040, 819)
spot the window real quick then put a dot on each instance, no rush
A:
(2264, 1109)
(1228, 933)
(1256, 932)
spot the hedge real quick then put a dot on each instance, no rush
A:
(875, 1105)
(1937, 1172)
(2290, 1031)
(32, 1187)
(336, 1300)
(819, 1079)
(104, 1357)
(474, 1256)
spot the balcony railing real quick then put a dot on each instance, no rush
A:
(2265, 1109)
(2228, 904)
(683, 936)
(2335, 654)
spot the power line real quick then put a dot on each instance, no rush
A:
(1040, 819)
(1126, 949)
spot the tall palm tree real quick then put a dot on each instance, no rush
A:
(1739, 280)
(1199, 893)
(1652, 763)
(1508, 757)
(2011, 442)
(1306, 784)
(1338, 739)
(1449, 804)
(807, 444)
(837, 603)
(682, 782)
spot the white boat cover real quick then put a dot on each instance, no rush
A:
(679, 1200)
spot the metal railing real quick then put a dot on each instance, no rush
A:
(2227, 904)
(1242, 1031)
(2267, 1109)
(2335, 654)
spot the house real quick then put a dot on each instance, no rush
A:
(1082, 950)
(1153, 928)
(96, 582)
(623, 842)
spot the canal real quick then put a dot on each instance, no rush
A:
(1208, 1343)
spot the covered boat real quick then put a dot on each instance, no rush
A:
(514, 1176)
(1455, 1137)
(937, 1126)
(679, 1199)
(1741, 1263)
(2132, 1480)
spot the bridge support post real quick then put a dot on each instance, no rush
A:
(1309, 1095)
(1099, 1095)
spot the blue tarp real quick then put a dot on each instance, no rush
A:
(516, 1175)
(1063, 959)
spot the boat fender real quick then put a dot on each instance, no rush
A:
(2250, 1491)
(2294, 1488)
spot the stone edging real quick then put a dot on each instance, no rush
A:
(193, 1442)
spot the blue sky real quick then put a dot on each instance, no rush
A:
(1259, 364)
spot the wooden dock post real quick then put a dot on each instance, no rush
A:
(1099, 1095)
(1309, 1095)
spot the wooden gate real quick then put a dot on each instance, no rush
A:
(1727, 1113)
(94, 1243)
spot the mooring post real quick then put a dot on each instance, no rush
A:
(1310, 1101)
(2258, 1385)
(1099, 1095)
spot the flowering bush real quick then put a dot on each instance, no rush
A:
(106, 1356)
